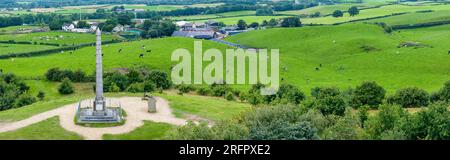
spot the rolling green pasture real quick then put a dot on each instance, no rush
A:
(55, 37)
(154, 8)
(21, 48)
(375, 12)
(324, 9)
(353, 53)
(247, 19)
(46, 130)
(187, 18)
(84, 58)
(416, 17)
(16, 28)
(215, 16)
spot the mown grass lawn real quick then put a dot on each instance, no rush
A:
(149, 131)
(46, 130)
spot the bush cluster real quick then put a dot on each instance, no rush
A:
(57, 75)
(13, 92)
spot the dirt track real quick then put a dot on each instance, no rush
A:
(135, 108)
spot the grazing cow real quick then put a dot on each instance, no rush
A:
(141, 55)
(120, 50)
(449, 52)
(148, 51)
(317, 68)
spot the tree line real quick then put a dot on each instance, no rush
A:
(364, 112)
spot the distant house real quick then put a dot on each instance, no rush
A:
(139, 10)
(119, 28)
(191, 25)
(68, 27)
(139, 21)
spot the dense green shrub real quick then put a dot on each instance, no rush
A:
(149, 86)
(24, 99)
(113, 88)
(41, 95)
(203, 91)
(338, 13)
(12, 92)
(432, 123)
(443, 94)
(134, 76)
(278, 122)
(185, 88)
(291, 22)
(327, 100)
(66, 87)
(160, 79)
(353, 11)
(389, 119)
(368, 93)
(229, 96)
(286, 94)
(347, 127)
(117, 78)
(136, 88)
(219, 90)
(223, 130)
(57, 75)
(410, 97)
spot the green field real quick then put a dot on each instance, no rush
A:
(21, 48)
(83, 59)
(324, 10)
(62, 38)
(214, 16)
(212, 108)
(376, 12)
(45, 130)
(353, 53)
(416, 17)
(247, 19)
(149, 131)
(12, 29)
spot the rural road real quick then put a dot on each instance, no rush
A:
(135, 107)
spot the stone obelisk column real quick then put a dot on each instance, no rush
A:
(99, 103)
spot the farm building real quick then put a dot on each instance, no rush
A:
(196, 33)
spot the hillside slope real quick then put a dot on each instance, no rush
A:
(352, 53)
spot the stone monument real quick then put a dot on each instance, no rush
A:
(151, 104)
(99, 112)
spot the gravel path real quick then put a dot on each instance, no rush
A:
(135, 108)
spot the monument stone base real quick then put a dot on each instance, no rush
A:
(109, 115)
